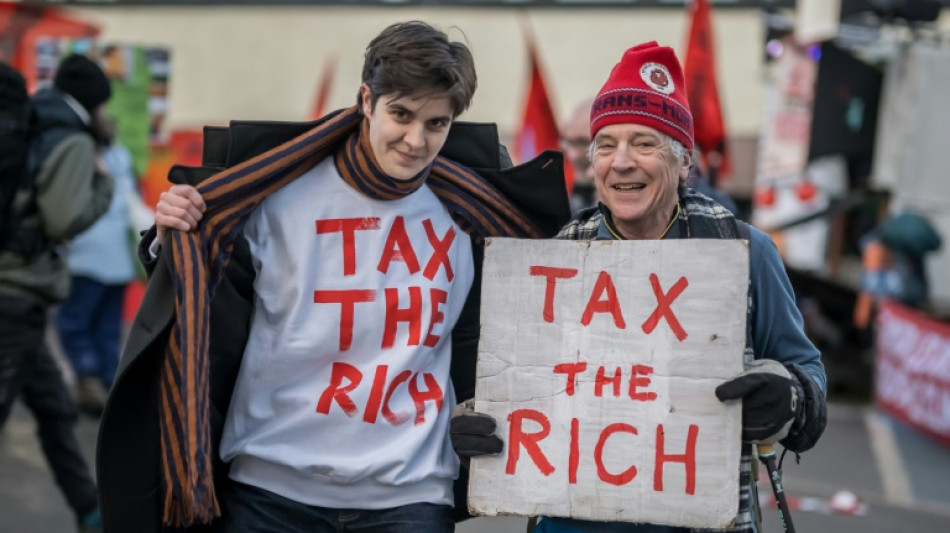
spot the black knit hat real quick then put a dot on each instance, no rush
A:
(82, 79)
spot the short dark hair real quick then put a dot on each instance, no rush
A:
(411, 56)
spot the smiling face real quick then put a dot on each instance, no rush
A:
(637, 178)
(406, 133)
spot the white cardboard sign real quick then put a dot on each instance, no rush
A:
(599, 361)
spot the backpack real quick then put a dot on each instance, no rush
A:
(15, 133)
(25, 139)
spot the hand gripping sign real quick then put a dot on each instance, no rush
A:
(599, 361)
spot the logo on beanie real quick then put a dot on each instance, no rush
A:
(657, 77)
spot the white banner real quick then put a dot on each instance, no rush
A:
(599, 361)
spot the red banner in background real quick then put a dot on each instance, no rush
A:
(913, 369)
(538, 131)
(700, 72)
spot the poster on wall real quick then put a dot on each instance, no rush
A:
(599, 361)
(788, 187)
(139, 76)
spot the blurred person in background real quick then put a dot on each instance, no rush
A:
(575, 139)
(698, 181)
(63, 194)
(101, 264)
(297, 429)
(893, 257)
(642, 134)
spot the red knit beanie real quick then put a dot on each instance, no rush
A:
(646, 87)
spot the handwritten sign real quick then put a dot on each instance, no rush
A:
(599, 361)
(357, 294)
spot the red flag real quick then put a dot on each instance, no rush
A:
(538, 131)
(700, 73)
(323, 90)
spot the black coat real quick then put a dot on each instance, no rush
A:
(129, 451)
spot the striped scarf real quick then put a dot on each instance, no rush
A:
(199, 258)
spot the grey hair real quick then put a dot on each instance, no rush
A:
(677, 149)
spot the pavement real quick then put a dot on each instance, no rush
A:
(899, 477)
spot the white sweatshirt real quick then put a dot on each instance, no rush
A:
(344, 397)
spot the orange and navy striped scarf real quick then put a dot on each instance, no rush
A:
(200, 256)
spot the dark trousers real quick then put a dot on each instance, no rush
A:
(90, 326)
(28, 369)
(247, 509)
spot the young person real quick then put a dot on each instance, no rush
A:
(331, 277)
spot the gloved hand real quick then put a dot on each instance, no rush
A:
(771, 397)
(472, 433)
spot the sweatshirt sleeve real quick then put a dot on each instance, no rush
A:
(71, 192)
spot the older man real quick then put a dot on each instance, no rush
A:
(642, 133)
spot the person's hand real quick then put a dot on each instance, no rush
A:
(472, 433)
(771, 400)
(181, 207)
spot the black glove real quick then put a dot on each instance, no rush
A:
(772, 399)
(472, 433)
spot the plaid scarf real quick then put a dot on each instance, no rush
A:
(199, 258)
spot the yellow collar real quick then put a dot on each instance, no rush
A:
(616, 234)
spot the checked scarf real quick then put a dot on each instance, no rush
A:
(200, 256)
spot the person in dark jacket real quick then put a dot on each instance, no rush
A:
(338, 272)
(66, 193)
(642, 133)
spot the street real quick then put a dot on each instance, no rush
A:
(898, 475)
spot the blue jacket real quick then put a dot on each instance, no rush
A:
(104, 251)
(776, 333)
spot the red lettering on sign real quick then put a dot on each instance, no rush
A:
(663, 310)
(572, 370)
(604, 284)
(440, 251)
(688, 459)
(552, 274)
(602, 380)
(518, 438)
(335, 390)
(347, 300)
(433, 393)
(395, 418)
(573, 458)
(437, 297)
(376, 394)
(344, 378)
(395, 315)
(635, 382)
(614, 479)
(398, 247)
(349, 227)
